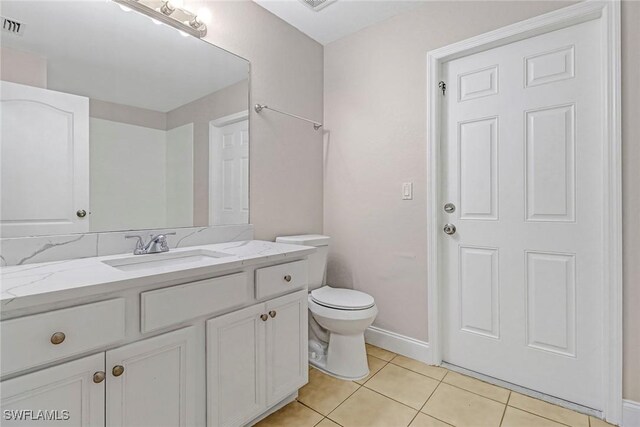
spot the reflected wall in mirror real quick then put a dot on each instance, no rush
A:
(113, 121)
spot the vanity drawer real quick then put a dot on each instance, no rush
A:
(281, 278)
(177, 304)
(47, 337)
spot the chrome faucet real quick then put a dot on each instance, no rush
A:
(157, 244)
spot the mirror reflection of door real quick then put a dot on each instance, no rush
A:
(229, 166)
(105, 132)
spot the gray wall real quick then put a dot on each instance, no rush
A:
(375, 109)
(285, 154)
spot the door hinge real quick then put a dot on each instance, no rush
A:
(443, 86)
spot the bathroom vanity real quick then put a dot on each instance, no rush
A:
(206, 335)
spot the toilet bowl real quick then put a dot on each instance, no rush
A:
(338, 317)
(345, 355)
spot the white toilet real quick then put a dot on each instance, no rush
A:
(338, 317)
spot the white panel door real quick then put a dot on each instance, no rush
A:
(44, 161)
(157, 386)
(522, 148)
(287, 345)
(67, 387)
(229, 151)
(236, 367)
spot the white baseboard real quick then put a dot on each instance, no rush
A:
(400, 344)
(630, 413)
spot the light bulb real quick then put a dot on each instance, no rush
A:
(204, 15)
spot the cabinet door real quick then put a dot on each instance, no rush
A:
(66, 394)
(236, 367)
(287, 345)
(157, 384)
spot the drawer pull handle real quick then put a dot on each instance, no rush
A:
(117, 370)
(287, 278)
(272, 313)
(98, 377)
(264, 317)
(57, 338)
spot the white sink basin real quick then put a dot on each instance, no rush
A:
(167, 260)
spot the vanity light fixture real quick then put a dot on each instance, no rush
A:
(172, 13)
(167, 8)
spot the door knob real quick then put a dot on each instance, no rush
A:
(449, 229)
(117, 370)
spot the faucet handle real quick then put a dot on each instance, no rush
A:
(139, 243)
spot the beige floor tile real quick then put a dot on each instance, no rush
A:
(597, 422)
(419, 367)
(403, 385)
(476, 386)
(462, 408)
(327, 423)
(292, 415)
(424, 420)
(380, 353)
(324, 393)
(547, 410)
(514, 417)
(375, 365)
(366, 408)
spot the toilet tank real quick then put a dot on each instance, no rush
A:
(317, 261)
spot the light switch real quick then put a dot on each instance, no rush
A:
(407, 191)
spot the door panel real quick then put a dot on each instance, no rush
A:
(522, 154)
(41, 194)
(230, 173)
(157, 387)
(67, 387)
(236, 367)
(287, 345)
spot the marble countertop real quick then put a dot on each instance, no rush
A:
(26, 285)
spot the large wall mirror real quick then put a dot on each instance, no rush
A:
(114, 121)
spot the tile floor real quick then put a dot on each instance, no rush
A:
(402, 392)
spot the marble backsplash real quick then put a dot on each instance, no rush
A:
(30, 250)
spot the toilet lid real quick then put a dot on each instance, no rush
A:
(342, 299)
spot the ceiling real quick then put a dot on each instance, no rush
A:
(338, 19)
(97, 50)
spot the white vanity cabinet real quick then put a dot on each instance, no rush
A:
(66, 387)
(255, 358)
(148, 383)
(153, 382)
(217, 349)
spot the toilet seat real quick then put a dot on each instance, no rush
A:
(342, 299)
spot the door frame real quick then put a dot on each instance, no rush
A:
(608, 14)
(213, 146)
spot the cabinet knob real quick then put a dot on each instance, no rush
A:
(272, 313)
(81, 213)
(287, 278)
(117, 370)
(98, 377)
(57, 338)
(264, 317)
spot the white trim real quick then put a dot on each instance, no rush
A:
(230, 119)
(609, 15)
(400, 344)
(213, 147)
(630, 413)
